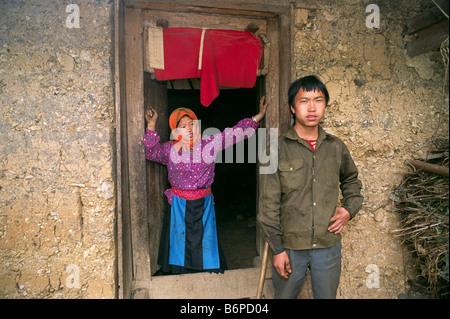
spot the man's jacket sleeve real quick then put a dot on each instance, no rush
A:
(269, 214)
(350, 184)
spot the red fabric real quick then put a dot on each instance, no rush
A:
(312, 143)
(181, 50)
(191, 195)
(230, 58)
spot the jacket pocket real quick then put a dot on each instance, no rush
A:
(295, 222)
(291, 176)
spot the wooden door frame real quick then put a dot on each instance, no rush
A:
(133, 259)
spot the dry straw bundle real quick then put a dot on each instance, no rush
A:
(422, 201)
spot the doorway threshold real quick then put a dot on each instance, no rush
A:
(232, 284)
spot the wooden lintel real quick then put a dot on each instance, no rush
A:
(262, 13)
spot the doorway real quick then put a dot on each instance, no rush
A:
(139, 210)
(235, 183)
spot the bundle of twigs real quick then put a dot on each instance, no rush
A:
(422, 200)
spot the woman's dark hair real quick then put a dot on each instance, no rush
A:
(308, 83)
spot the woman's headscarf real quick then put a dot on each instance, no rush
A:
(181, 142)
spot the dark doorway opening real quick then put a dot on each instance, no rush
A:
(235, 184)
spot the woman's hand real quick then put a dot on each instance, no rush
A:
(262, 109)
(150, 117)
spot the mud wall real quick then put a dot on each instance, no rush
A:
(57, 158)
(56, 154)
(387, 107)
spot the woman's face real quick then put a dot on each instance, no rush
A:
(185, 127)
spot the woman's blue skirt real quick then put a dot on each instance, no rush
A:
(189, 240)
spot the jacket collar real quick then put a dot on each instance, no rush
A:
(292, 135)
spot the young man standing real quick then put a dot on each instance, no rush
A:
(300, 215)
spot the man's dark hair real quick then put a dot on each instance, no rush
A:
(308, 83)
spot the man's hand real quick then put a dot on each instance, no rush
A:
(340, 219)
(282, 264)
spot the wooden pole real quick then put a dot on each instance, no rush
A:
(262, 275)
(427, 167)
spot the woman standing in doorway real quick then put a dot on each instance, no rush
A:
(189, 241)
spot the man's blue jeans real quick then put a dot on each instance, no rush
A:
(325, 267)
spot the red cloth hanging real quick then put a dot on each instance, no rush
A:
(230, 58)
(181, 51)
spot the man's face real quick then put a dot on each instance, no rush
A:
(308, 108)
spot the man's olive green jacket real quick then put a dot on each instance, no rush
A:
(300, 198)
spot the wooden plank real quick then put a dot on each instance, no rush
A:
(204, 10)
(260, 91)
(118, 8)
(196, 20)
(428, 167)
(428, 18)
(266, 6)
(428, 39)
(155, 94)
(272, 81)
(124, 257)
(232, 284)
(136, 152)
(271, 91)
(285, 70)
